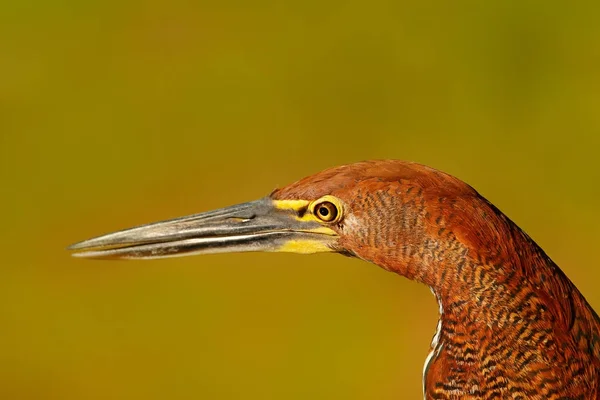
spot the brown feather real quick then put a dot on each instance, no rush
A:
(513, 325)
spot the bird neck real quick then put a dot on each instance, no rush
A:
(491, 277)
(481, 266)
(507, 311)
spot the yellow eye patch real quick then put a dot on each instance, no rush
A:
(295, 205)
(327, 209)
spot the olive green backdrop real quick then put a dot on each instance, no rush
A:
(118, 113)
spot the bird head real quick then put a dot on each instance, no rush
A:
(386, 212)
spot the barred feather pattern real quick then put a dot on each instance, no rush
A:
(513, 325)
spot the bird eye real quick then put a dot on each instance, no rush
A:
(327, 211)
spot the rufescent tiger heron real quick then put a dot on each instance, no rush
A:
(512, 325)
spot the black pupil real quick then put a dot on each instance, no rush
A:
(324, 211)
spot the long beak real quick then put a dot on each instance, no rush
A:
(259, 225)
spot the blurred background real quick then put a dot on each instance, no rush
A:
(116, 113)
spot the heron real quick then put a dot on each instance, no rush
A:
(511, 323)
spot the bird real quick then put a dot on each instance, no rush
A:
(511, 323)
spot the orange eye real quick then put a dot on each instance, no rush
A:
(326, 211)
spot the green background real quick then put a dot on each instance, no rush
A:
(116, 113)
